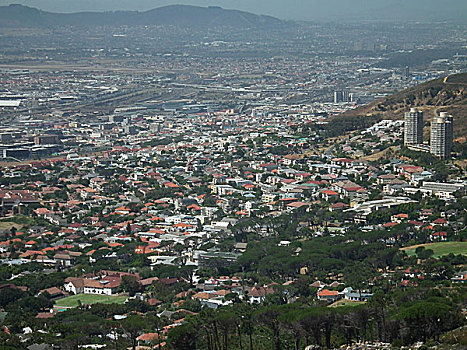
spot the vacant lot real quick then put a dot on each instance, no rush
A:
(440, 249)
(74, 300)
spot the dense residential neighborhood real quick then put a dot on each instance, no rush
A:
(223, 217)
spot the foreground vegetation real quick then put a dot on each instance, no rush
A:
(401, 317)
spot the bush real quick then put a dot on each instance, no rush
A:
(396, 343)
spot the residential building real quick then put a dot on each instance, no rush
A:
(413, 127)
(441, 135)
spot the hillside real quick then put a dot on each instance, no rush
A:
(14, 16)
(439, 95)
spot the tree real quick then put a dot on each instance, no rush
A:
(186, 272)
(182, 337)
(133, 325)
(72, 341)
(421, 320)
(9, 295)
(303, 286)
(225, 321)
(156, 323)
(179, 248)
(377, 306)
(424, 253)
(128, 229)
(311, 321)
(290, 321)
(246, 325)
(192, 305)
(268, 317)
(130, 285)
(12, 232)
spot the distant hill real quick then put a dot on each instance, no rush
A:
(439, 95)
(15, 16)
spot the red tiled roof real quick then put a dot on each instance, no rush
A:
(204, 295)
(148, 336)
(154, 301)
(297, 204)
(181, 224)
(441, 234)
(339, 205)
(330, 192)
(326, 292)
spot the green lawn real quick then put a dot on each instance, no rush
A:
(343, 302)
(18, 220)
(72, 301)
(441, 248)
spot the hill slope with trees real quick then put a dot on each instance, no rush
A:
(440, 95)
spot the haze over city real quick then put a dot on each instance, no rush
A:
(317, 10)
(233, 175)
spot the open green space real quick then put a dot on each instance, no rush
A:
(17, 221)
(440, 248)
(7, 225)
(340, 303)
(74, 300)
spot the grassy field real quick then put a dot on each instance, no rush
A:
(382, 154)
(440, 249)
(18, 220)
(72, 301)
(7, 225)
(340, 303)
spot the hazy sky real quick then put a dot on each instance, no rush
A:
(285, 9)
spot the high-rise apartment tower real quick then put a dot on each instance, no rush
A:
(441, 135)
(413, 127)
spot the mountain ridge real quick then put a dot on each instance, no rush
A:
(177, 15)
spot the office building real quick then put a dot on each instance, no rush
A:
(413, 127)
(441, 135)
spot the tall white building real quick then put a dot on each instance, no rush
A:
(342, 96)
(413, 127)
(441, 135)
